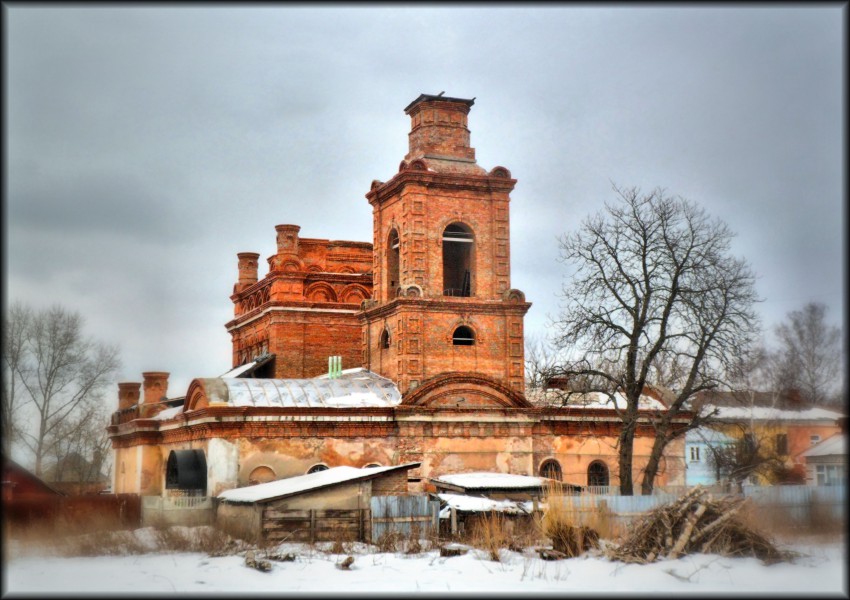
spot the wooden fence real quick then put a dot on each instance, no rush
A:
(90, 512)
(315, 525)
(403, 514)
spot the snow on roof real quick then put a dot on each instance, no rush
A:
(249, 366)
(354, 388)
(304, 483)
(168, 413)
(766, 413)
(486, 480)
(836, 444)
(473, 504)
(553, 397)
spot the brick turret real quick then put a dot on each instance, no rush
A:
(128, 394)
(438, 128)
(247, 270)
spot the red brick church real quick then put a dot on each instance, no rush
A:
(426, 325)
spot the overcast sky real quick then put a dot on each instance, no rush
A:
(147, 146)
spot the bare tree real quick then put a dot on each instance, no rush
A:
(810, 353)
(57, 374)
(655, 292)
(81, 454)
(16, 324)
(541, 362)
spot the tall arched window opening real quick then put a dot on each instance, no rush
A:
(392, 263)
(458, 247)
(385, 339)
(597, 474)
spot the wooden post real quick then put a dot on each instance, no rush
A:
(312, 526)
(454, 521)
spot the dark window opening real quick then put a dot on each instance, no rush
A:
(463, 336)
(551, 469)
(385, 339)
(597, 474)
(458, 246)
(317, 468)
(782, 444)
(186, 470)
(393, 262)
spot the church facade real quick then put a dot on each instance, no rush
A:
(425, 321)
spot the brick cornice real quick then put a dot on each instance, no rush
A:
(429, 179)
(442, 304)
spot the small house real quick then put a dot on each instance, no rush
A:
(328, 505)
(826, 462)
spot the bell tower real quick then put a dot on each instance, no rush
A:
(442, 300)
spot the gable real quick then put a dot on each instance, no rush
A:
(464, 390)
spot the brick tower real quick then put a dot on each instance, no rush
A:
(442, 302)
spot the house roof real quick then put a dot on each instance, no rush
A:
(353, 388)
(292, 486)
(12, 471)
(489, 481)
(598, 400)
(836, 444)
(765, 413)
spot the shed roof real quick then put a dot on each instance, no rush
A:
(292, 486)
(488, 481)
(464, 503)
(353, 388)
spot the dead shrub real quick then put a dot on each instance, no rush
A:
(575, 523)
(489, 533)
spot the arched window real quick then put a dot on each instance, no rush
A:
(385, 339)
(597, 474)
(262, 474)
(317, 468)
(458, 246)
(370, 465)
(551, 469)
(463, 336)
(393, 246)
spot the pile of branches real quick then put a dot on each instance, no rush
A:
(696, 522)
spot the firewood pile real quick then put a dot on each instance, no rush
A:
(696, 523)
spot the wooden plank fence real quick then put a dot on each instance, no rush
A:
(315, 525)
(403, 514)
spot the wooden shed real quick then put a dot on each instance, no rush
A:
(328, 505)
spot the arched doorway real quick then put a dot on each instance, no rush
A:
(186, 470)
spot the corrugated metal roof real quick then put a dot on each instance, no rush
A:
(354, 388)
(488, 480)
(305, 483)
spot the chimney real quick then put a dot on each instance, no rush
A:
(156, 387)
(287, 239)
(247, 270)
(438, 128)
(128, 395)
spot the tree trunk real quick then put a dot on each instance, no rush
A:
(626, 454)
(651, 469)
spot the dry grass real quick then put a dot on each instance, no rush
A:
(122, 542)
(411, 542)
(578, 517)
(490, 533)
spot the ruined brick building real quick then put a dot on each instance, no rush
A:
(427, 325)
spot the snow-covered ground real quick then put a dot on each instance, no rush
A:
(820, 571)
